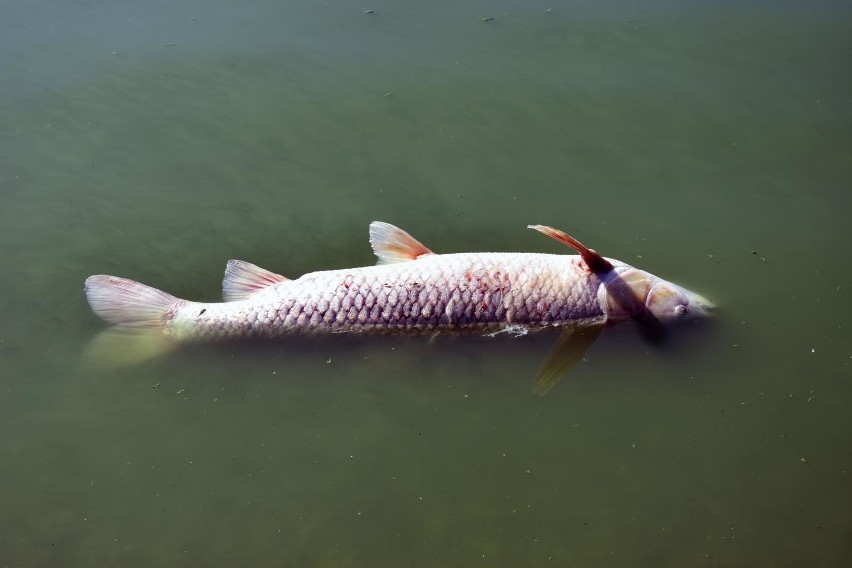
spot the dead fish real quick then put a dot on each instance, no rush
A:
(411, 290)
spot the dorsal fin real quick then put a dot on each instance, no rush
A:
(392, 244)
(244, 279)
(596, 263)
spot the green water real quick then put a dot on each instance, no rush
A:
(707, 142)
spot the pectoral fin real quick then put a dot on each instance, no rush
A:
(596, 263)
(567, 352)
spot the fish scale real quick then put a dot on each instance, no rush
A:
(436, 293)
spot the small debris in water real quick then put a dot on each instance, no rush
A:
(369, 11)
(169, 44)
(803, 460)
(328, 362)
(528, 472)
(488, 19)
(513, 329)
(155, 386)
(180, 391)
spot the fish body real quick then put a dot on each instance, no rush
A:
(447, 293)
(411, 291)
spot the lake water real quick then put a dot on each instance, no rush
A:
(707, 142)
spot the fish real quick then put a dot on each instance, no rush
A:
(411, 290)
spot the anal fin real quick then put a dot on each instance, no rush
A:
(566, 352)
(244, 279)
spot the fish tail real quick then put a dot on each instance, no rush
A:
(137, 313)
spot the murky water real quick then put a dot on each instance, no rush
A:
(708, 143)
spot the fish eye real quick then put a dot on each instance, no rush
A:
(681, 310)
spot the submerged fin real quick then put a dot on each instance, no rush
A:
(124, 345)
(244, 279)
(392, 244)
(596, 263)
(566, 352)
(137, 310)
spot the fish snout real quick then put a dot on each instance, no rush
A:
(699, 305)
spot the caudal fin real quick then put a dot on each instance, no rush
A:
(137, 311)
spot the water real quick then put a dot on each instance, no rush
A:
(707, 143)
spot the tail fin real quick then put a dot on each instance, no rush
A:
(137, 311)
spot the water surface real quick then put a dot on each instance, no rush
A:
(708, 143)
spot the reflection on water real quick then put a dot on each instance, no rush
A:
(706, 145)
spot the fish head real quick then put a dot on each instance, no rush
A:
(631, 292)
(670, 302)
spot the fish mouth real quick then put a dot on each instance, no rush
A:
(703, 304)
